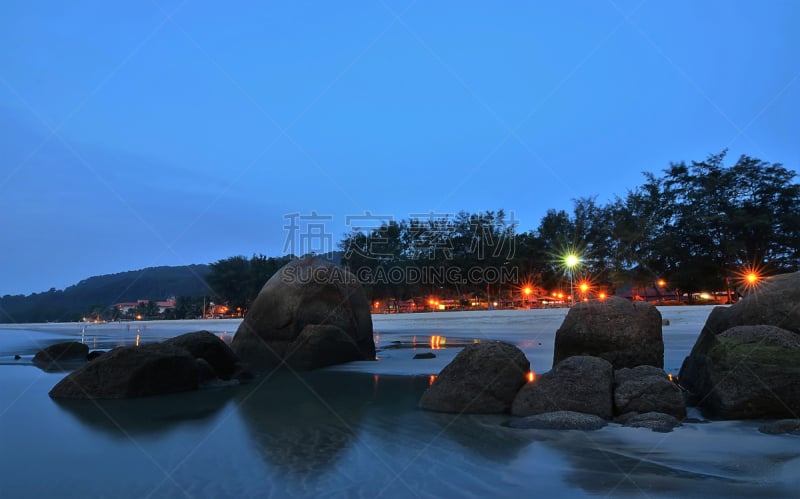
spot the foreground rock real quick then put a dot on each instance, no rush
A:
(645, 389)
(482, 379)
(627, 334)
(781, 427)
(560, 420)
(580, 384)
(207, 346)
(774, 303)
(748, 372)
(172, 366)
(655, 421)
(61, 356)
(306, 292)
(321, 346)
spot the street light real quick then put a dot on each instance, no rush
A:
(527, 292)
(571, 261)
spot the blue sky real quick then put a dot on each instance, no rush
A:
(160, 132)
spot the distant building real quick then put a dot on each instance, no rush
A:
(128, 306)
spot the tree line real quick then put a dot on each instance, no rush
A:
(697, 226)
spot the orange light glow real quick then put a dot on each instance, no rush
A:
(670, 377)
(560, 295)
(531, 376)
(602, 296)
(750, 277)
(438, 342)
(527, 291)
(137, 340)
(431, 379)
(662, 283)
(584, 287)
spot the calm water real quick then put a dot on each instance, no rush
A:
(355, 430)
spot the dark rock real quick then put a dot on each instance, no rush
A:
(131, 372)
(655, 421)
(780, 427)
(748, 372)
(61, 356)
(425, 355)
(205, 372)
(559, 420)
(581, 384)
(17, 357)
(665, 322)
(645, 389)
(307, 291)
(321, 346)
(94, 354)
(207, 346)
(773, 303)
(482, 379)
(627, 334)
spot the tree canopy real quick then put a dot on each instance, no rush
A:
(697, 226)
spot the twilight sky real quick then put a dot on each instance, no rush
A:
(144, 133)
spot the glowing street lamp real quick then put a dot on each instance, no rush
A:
(752, 278)
(527, 292)
(571, 261)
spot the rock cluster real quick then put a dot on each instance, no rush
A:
(178, 364)
(581, 391)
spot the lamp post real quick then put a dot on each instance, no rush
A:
(571, 261)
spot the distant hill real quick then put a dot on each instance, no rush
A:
(153, 283)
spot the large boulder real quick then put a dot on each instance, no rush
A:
(749, 372)
(626, 334)
(482, 379)
(306, 291)
(127, 372)
(644, 389)
(177, 364)
(776, 302)
(61, 356)
(580, 384)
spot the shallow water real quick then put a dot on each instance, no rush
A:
(355, 430)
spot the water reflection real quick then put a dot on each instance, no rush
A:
(303, 423)
(149, 415)
(481, 436)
